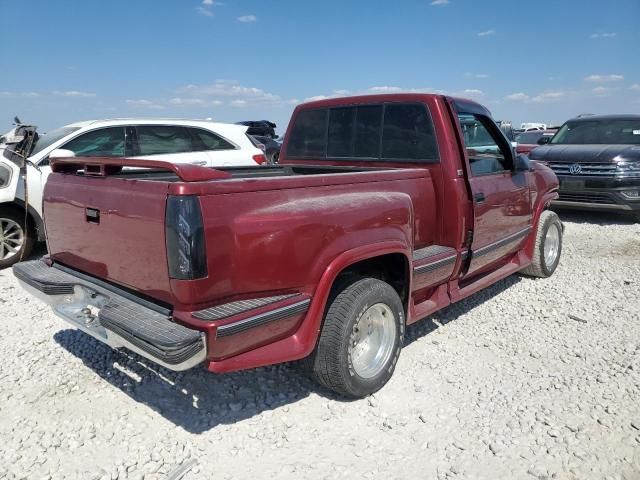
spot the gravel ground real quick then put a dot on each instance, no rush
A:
(502, 385)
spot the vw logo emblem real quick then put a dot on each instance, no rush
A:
(575, 169)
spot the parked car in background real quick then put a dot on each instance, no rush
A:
(597, 159)
(379, 214)
(270, 147)
(262, 128)
(527, 141)
(183, 141)
(533, 126)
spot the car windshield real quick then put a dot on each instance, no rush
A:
(529, 138)
(47, 139)
(603, 132)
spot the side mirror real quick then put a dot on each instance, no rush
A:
(523, 164)
(544, 140)
(61, 153)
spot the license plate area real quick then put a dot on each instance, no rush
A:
(83, 308)
(572, 185)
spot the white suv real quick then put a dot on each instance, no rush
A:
(180, 141)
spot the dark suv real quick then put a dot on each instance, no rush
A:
(597, 159)
(263, 128)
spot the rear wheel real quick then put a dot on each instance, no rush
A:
(361, 339)
(548, 247)
(16, 241)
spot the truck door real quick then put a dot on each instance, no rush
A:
(500, 194)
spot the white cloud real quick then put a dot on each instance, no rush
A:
(315, 98)
(604, 35)
(473, 91)
(7, 94)
(517, 97)
(204, 11)
(476, 75)
(74, 93)
(247, 18)
(548, 97)
(385, 89)
(636, 87)
(440, 2)
(225, 91)
(603, 78)
(146, 104)
(206, 8)
(342, 92)
(486, 33)
(602, 91)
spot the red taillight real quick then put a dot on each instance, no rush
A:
(260, 159)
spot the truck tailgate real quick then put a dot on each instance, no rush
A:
(111, 228)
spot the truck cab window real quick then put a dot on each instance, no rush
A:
(309, 134)
(104, 142)
(485, 154)
(408, 133)
(340, 132)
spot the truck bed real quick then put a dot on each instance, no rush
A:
(260, 223)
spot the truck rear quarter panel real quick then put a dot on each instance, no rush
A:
(280, 240)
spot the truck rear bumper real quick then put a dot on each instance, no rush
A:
(113, 316)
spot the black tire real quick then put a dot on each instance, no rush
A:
(275, 157)
(17, 217)
(331, 362)
(539, 267)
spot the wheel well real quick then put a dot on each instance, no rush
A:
(392, 268)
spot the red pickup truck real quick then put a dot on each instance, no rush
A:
(383, 209)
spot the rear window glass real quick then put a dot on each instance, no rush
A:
(340, 132)
(529, 138)
(408, 133)
(309, 134)
(159, 139)
(368, 130)
(104, 142)
(405, 133)
(205, 140)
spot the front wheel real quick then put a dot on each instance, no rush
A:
(548, 247)
(16, 241)
(361, 339)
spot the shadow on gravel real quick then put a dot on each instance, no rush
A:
(597, 218)
(198, 400)
(452, 312)
(195, 400)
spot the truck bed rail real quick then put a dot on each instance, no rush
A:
(105, 166)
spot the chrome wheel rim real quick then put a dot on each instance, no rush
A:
(11, 238)
(372, 340)
(551, 245)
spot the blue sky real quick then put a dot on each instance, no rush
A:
(251, 59)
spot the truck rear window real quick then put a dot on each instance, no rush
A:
(392, 131)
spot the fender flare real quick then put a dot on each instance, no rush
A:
(303, 341)
(310, 328)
